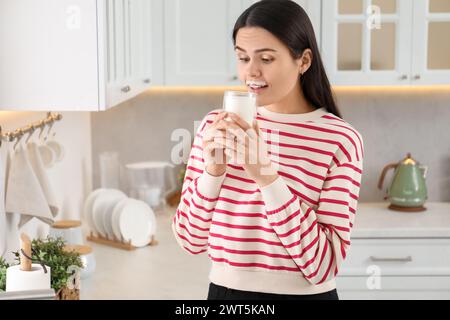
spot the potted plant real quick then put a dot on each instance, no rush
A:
(63, 265)
(3, 267)
(174, 198)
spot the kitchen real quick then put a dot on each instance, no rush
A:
(129, 78)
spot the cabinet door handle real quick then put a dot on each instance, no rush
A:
(393, 259)
(403, 77)
(417, 77)
(234, 78)
(147, 80)
(126, 89)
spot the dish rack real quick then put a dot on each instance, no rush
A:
(116, 243)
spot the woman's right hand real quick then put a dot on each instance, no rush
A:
(214, 153)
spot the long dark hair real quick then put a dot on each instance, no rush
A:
(289, 22)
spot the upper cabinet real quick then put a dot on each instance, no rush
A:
(386, 42)
(198, 40)
(90, 55)
(133, 48)
(431, 50)
(79, 55)
(313, 8)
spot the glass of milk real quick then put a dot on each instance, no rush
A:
(241, 103)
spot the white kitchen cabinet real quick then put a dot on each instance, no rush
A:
(314, 10)
(394, 288)
(77, 55)
(396, 255)
(385, 42)
(133, 28)
(431, 47)
(198, 42)
(199, 51)
(407, 268)
(362, 45)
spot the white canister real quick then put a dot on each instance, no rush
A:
(87, 258)
(68, 230)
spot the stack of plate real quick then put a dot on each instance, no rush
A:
(111, 214)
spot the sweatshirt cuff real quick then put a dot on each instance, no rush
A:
(276, 195)
(209, 185)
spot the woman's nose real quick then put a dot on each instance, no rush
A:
(253, 70)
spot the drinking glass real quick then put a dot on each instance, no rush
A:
(241, 103)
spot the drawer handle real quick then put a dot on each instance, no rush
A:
(126, 89)
(379, 259)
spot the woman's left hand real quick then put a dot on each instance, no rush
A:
(246, 147)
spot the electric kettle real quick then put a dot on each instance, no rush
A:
(407, 190)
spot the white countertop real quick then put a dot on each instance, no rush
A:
(165, 271)
(375, 220)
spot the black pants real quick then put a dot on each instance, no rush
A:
(217, 292)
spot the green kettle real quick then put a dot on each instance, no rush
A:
(408, 190)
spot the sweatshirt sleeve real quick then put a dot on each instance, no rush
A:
(199, 196)
(317, 240)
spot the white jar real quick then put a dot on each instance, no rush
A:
(68, 230)
(87, 258)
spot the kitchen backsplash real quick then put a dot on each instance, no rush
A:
(392, 122)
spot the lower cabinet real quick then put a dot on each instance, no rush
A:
(393, 288)
(387, 268)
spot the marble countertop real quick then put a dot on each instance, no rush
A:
(163, 271)
(375, 220)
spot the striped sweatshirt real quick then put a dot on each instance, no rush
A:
(291, 236)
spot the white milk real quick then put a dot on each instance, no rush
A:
(241, 103)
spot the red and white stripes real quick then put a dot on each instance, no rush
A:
(295, 232)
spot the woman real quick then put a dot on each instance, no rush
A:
(277, 227)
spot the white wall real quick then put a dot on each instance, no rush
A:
(72, 177)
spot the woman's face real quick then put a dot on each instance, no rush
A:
(262, 59)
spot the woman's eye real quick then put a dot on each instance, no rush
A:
(264, 60)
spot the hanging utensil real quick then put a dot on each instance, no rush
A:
(18, 133)
(31, 130)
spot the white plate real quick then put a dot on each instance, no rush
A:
(87, 210)
(153, 220)
(135, 222)
(107, 214)
(108, 211)
(98, 208)
(115, 217)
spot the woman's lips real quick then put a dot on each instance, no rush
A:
(257, 90)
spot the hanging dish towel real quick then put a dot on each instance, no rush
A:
(24, 194)
(2, 209)
(41, 174)
(12, 219)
